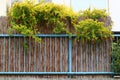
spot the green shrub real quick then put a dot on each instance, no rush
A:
(92, 30)
(54, 15)
(22, 19)
(27, 18)
(116, 57)
(95, 14)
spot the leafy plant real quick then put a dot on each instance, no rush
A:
(95, 14)
(22, 19)
(54, 15)
(29, 18)
(116, 57)
(92, 30)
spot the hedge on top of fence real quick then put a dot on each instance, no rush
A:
(29, 19)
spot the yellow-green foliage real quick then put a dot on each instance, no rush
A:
(92, 30)
(23, 13)
(91, 26)
(32, 16)
(94, 14)
(57, 15)
(22, 19)
(27, 18)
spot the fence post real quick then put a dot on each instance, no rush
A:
(70, 57)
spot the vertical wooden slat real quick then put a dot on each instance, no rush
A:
(63, 55)
(34, 56)
(6, 54)
(9, 55)
(107, 62)
(37, 57)
(94, 58)
(24, 44)
(40, 56)
(1, 65)
(19, 55)
(60, 54)
(14, 53)
(76, 56)
(53, 54)
(110, 54)
(97, 57)
(81, 56)
(29, 53)
(45, 55)
(4, 58)
(105, 57)
(86, 56)
(66, 40)
(50, 54)
(92, 66)
(73, 55)
(102, 55)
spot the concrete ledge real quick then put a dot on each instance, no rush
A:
(117, 77)
(29, 78)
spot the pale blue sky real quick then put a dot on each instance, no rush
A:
(84, 4)
(114, 8)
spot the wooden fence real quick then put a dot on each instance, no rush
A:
(56, 55)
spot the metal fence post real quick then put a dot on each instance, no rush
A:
(70, 57)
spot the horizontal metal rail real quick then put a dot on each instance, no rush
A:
(45, 35)
(116, 35)
(56, 73)
(39, 35)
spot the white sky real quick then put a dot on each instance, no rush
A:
(115, 14)
(2, 7)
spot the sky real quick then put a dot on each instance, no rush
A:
(114, 8)
(2, 7)
(115, 14)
